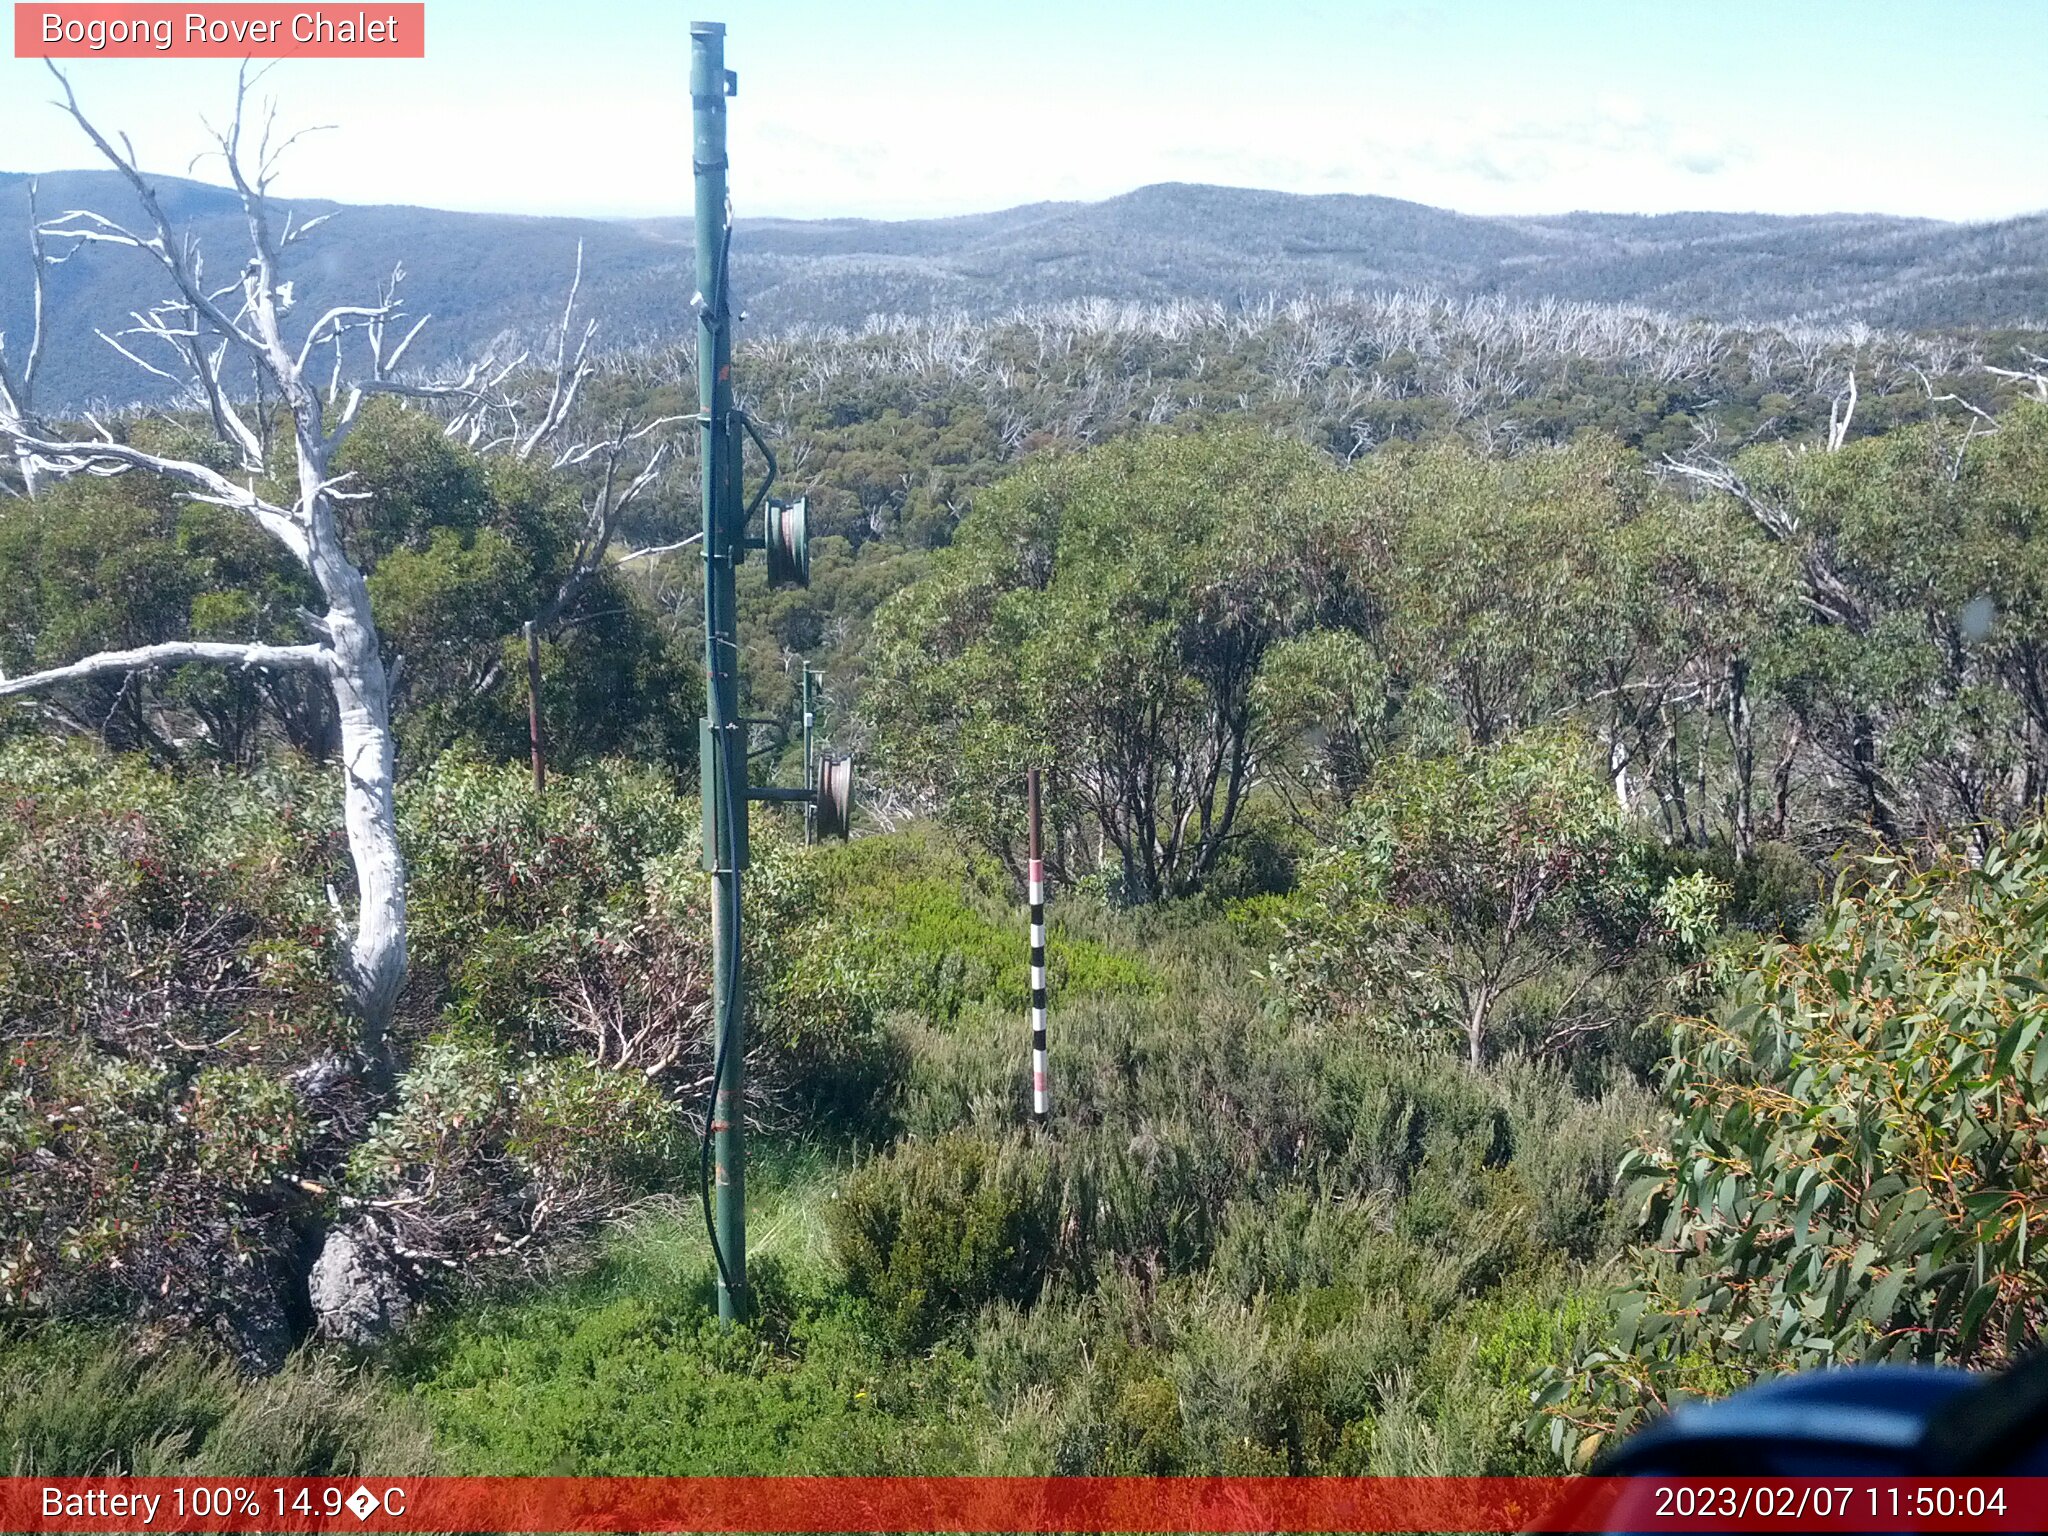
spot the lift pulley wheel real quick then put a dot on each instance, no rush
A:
(835, 797)
(788, 537)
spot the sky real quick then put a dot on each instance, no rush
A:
(914, 108)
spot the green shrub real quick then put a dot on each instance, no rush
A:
(818, 989)
(175, 1107)
(1857, 1170)
(487, 1155)
(1185, 1378)
(1469, 888)
(626, 1373)
(78, 1405)
(1774, 892)
(579, 922)
(484, 852)
(164, 973)
(935, 1230)
(946, 933)
(1146, 1198)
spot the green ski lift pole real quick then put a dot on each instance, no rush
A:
(721, 744)
(722, 738)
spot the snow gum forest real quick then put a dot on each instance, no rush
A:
(1548, 892)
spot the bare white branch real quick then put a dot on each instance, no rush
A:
(176, 653)
(656, 551)
(570, 372)
(103, 455)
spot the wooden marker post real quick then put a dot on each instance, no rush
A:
(1040, 1102)
(534, 736)
(810, 764)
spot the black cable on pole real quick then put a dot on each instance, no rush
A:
(718, 1054)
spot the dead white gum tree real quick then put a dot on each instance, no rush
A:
(18, 369)
(222, 344)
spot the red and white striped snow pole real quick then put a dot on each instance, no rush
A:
(1040, 1103)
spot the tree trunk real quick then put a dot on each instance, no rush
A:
(1781, 780)
(377, 948)
(1617, 770)
(1678, 817)
(1475, 1026)
(1742, 748)
(376, 962)
(1870, 778)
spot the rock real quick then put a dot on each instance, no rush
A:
(256, 1335)
(321, 1075)
(356, 1293)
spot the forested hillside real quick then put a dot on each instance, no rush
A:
(485, 276)
(1542, 800)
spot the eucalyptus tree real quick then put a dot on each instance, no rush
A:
(1465, 887)
(1106, 616)
(1919, 560)
(1493, 556)
(537, 411)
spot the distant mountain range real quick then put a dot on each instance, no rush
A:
(483, 275)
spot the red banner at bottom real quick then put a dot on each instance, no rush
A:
(997, 1504)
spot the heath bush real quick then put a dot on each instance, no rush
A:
(935, 1230)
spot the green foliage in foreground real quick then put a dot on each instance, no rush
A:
(163, 971)
(628, 1372)
(1375, 1282)
(174, 1130)
(1250, 1246)
(1259, 1240)
(1857, 1169)
(941, 1229)
(74, 1404)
